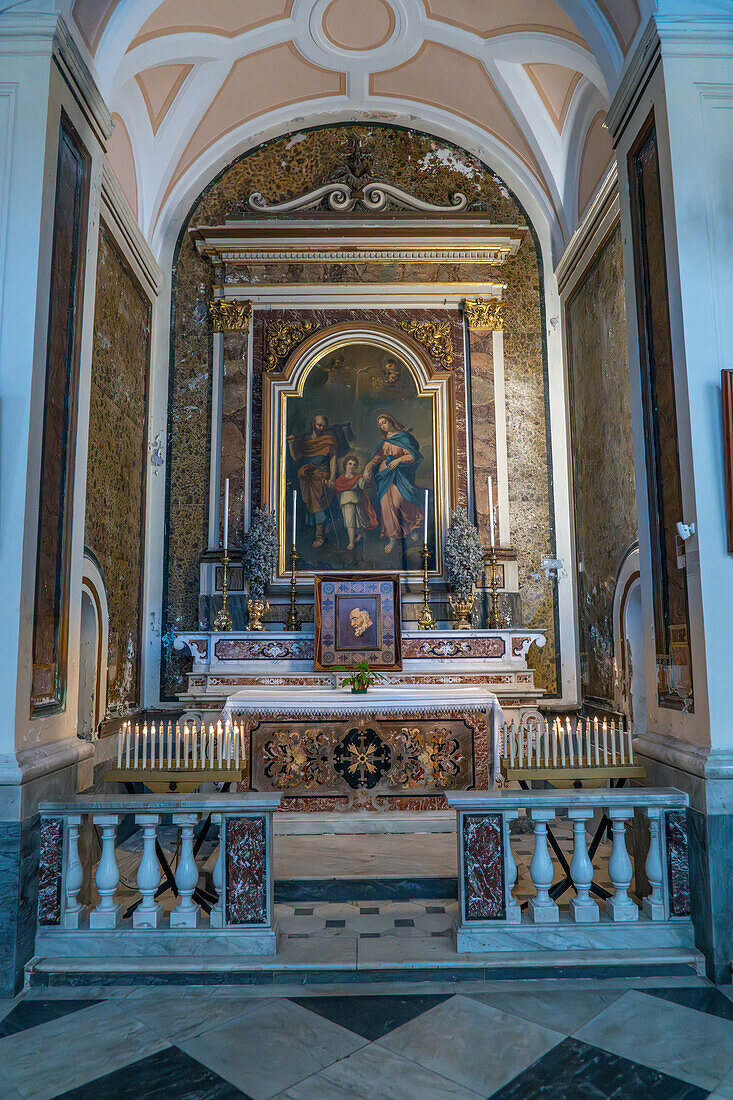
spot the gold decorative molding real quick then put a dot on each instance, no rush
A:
(433, 335)
(484, 314)
(229, 316)
(282, 337)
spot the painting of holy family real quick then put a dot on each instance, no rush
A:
(359, 445)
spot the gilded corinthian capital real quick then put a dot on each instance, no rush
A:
(229, 316)
(484, 313)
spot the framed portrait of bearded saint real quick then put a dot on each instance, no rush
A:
(357, 619)
(359, 425)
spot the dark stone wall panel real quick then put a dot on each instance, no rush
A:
(115, 506)
(603, 455)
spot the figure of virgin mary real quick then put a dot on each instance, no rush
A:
(392, 467)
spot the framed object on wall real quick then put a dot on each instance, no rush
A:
(358, 425)
(358, 619)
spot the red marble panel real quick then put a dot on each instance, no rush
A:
(246, 870)
(50, 871)
(482, 846)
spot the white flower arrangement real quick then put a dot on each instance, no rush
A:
(464, 554)
(259, 550)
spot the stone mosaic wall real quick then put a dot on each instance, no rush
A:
(115, 506)
(282, 169)
(603, 456)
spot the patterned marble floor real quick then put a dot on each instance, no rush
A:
(602, 1040)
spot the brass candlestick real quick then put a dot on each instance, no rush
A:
(494, 616)
(426, 620)
(293, 620)
(223, 621)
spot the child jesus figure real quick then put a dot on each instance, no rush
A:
(356, 508)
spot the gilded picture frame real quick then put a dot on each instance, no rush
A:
(352, 403)
(358, 618)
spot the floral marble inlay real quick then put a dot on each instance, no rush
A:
(241, 649)
(246, 870)
(49, 871)
(448, 647)
(678, 866)
(483, 867)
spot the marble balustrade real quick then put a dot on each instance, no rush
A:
(241, 916)
(491, 919)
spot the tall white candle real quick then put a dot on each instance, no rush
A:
(194, 746)
(562, 746)
(613, 745)
(295, 510)
(631, 747)
(521, 746)
(425, 521)
(554, 744)
(605, 740)
(491, 512)
(119, 746)
(621, 745)
(145, 744)
(127, 744)
(511, 744)
(137, 743)
(170, 745)
(211, 744)
(225, 540)
(178, 745)
(218, 745)
(236, 745)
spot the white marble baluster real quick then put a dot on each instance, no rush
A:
(513, 908)
(620, 907)
(216, 917)
(107, 914)
(186, 913)
(582, 907)
(653, 906)
(542, 908)
(148, 912)
(74, 873)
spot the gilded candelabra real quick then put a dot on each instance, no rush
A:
(494, 616)
(223, 621)
(426, 620)
(293, 620)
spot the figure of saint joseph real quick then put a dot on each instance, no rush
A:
(315, 456)
(392, 467)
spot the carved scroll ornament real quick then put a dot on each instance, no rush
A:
(345, 198)
(435, 336)
(230, 316)
(282, 337)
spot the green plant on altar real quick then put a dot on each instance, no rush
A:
(464, 558)
(259, 550)
(360, 678)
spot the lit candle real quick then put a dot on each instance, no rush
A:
(595, 740)
(127, 744)
(491, 512)
(621, 744)
(194, 746)
(137, 742)
(562, 746)
(631, 747)
(597, 746)
(587, 741)
(170, 745)
(605, 740)
(547, 744)
(613, 745)
(571, 756)
(537, 747)
(295, 509)
(225, 540)
(218, 744)
(119, 746)
(145, 744)
(554, 744)
(579, 741)
(211, 744)
(178, 745)
(425, 521)
(236, 745)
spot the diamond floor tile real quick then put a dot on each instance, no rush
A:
(370, 1017)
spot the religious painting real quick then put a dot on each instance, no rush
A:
(363, 475)
(358, 619)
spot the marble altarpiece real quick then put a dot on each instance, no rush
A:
(366, 349)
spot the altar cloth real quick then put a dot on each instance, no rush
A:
(426, 700)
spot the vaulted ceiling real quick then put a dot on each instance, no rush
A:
(522, 83)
